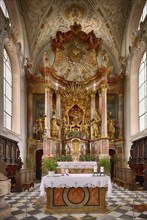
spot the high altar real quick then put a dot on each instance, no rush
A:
(75, 102)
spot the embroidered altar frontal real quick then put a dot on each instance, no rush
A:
(76, 200)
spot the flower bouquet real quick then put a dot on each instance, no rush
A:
(49, 163)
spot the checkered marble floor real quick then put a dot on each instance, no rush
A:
(28, 205)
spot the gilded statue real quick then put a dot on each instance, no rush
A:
(96, 125)
(46, 61)
(85, 129)
(55, 123)
(40, 125)
(29, 66)
(65, 126)
(110, 125)
(105, 59)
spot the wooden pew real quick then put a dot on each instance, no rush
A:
(138, 161)
(123, 177)
(24, 179)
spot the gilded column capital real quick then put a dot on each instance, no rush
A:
(47, 87)
(57, 93)
(103, 87)
(49, 90)
(119, 93)
(93, 93)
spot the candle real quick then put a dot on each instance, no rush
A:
(95, 169)
(101, 169)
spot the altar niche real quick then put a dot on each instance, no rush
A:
(76, 148)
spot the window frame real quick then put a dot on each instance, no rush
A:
(142, 93)
(7, 91)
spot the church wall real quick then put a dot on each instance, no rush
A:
(134, 49)
(130, 100)
(14, 36)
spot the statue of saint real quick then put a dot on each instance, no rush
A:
(65, 126)
(40, 126)
(96, 125)
(105, 59)
(55, 126)
(29, 66)
(111, 128)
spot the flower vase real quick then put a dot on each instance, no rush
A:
(51, 173)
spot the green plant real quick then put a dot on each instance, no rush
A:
(30, 162)
(49, 163)
(105, 162)
(64, 158)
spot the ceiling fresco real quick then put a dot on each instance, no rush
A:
(107, 18)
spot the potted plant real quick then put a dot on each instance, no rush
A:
(49, 163)
(105, 162)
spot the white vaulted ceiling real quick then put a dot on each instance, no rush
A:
(107, 18)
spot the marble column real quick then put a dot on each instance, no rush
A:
(120, 115)
(1, 77)
(30, 115)
(93, 104)
(48, 109)
(58, 104)
(58, 114)
(104, 110)
(100, 101)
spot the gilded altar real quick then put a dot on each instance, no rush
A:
(75, 103)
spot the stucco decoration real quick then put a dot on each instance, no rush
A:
(76, 54)
(106, 18)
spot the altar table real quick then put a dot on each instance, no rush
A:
(77, 166)
(75, 193)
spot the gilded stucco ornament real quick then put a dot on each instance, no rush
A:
(76, 54)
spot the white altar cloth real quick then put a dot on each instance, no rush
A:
(75, 180)
(77, 164)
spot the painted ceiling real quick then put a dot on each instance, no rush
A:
(107, 18)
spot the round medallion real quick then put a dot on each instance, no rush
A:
(76, 197)
(75, 55)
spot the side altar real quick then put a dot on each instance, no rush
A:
(75, 192)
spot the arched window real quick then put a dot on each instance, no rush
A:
(144, 13)
(7, 91)
(4, 9)
(143, 93)
(142, 83)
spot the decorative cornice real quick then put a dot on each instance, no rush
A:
(34, 79)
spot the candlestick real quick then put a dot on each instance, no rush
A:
(95, 169)
(101, 169)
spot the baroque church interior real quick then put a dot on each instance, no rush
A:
(73, 85)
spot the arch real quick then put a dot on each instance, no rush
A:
(112, 154)
(17, 21)
(15, 66)
(39, 154)
(132, 25)
(134, 70)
